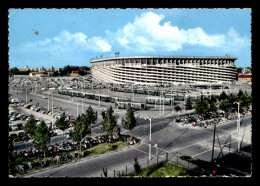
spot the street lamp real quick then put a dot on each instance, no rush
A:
(52, 110)
(156, 146)
(26, 94)
(238, 125)
(150, 135)
(77, 109)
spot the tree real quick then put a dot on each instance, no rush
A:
(82, 125)
(130, 121)
(223, 96)
(62, 124)
(188, 104)
(232, 99)
(177, 108)
(202, 106)
(30, 128)
(42, 137)
(213, 107)
(225, 105)
(240, 93)
(109, 123)
(245, 100)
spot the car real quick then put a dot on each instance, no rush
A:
(27, 106)
(14, 105)
(14, 137)
(38, 109)
(67, 118)
(68, 136)
(13, 118)
(27, 118)
(48, 123)
(44, 97)
(33, 107)
(14, 127)
(24, 117)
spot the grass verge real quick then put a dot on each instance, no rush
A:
(163, 169)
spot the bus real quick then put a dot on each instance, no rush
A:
(153, 99)
(89, 95)
(140, 91)
(120, 99)
(176, 97)
(134, 105)
(105, 98)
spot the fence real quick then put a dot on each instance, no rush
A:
(145, 163)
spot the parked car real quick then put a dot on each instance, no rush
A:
(24, 117)
(14, 127)
(14, 105)
(48, 123)
(23, 136)
(28, 118)
(13, 118)
(44, 97)
(14, 137)
(27, 106)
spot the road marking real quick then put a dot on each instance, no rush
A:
(201, 153)
(193, 144)
(139, 150)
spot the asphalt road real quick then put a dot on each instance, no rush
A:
(170, 138)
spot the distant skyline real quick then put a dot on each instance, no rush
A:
(59, 37)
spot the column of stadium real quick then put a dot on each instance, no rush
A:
(164, 69)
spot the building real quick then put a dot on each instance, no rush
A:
(245, 77)
(164, 69)
(74, 73)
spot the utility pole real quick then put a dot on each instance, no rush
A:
(82, 106)
(160, 105)
(133, 93)
(49, 101)
(52, 111)
(213, 144)
(150, 139)
(238, 126)
(77, 109)
(150, 133)
(26, 95)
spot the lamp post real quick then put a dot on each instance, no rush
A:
(49, 101)
(77, 109)
(160, 105)
(238, 126)
(26, 95)
(52, 112)
(156, 149)
(133, 93)
(150, 133)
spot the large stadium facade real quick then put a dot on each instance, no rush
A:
(164, 69)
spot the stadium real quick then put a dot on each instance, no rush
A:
(156, 70)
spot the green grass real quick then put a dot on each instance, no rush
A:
(105, 147)
(163, 169)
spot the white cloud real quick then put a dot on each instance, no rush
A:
(67, 42)
(146, 34)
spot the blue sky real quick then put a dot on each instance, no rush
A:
(59, 37)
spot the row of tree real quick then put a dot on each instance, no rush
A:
(65, 71)
(224, 102)
(82, 70)
(40, 134)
